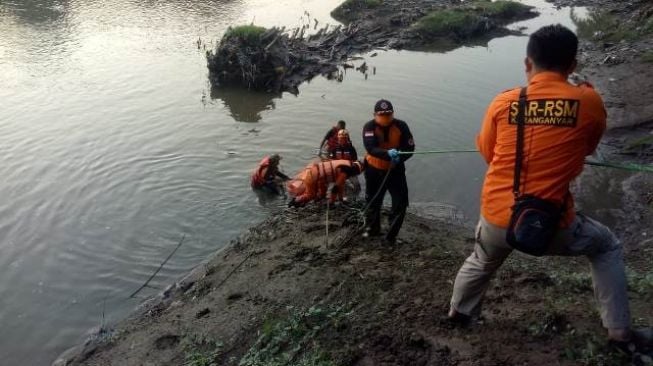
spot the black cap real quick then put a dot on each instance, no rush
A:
(383, 106)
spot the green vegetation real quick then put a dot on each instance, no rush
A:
(573, 282)
(200, 350)
(640, 283)
(648, 26)
(360, 4)
(648, 57)
(590, 349)
(346, 11)
(442, 22)
(293, 340)
(601, 25)
(470, 20)
(500, 9)
(249, 33)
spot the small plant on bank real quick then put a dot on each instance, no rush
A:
(348, 9)
(640, 283)
(590, 349)
(361, 4)
(575, 282)
(478, 17)
(291, 341)
(443, 22)
(648, 57)
(602, 26)
(200, 350)
(249, 33)
(500, 9)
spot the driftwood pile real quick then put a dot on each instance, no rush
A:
(279, 60)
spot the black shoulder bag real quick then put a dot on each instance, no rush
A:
(534, 221)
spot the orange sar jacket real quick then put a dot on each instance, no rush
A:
(379, 139)
(564, 123)
(316, 178)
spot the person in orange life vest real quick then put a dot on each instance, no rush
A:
(384, 137)
(312, 183)
(344, 149)
(563, 124)
(331, 137)
(267, 176)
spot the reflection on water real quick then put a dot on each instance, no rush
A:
(244, 105)
(36, 12)
(107, 158)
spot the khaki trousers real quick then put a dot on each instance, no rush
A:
(584, 237)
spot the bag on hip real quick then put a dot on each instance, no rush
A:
(533, 224)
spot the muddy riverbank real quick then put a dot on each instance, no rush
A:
(616, 56)
(285, 295)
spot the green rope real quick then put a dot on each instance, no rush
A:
(436, 152)
(625, 166)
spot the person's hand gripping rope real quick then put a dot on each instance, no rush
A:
(394, 156)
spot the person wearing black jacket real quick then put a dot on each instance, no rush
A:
(384, 137)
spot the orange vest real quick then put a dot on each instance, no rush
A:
(314, 175)
(258, 176)
(325, 172)
(564, 123)
(391, 141)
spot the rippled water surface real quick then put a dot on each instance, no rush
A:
(113, 146)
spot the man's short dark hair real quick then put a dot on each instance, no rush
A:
(553, 48)
(341, 124)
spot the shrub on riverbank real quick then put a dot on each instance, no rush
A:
(451, 21)
(249, 33)
(474, 19)
(603, 26)
(500, 9)
(348, 9)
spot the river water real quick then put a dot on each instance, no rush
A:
(113, 146)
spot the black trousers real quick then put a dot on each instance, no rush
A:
(397, 186)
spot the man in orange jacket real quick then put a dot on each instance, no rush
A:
(267, 176)
(312, 183)
(563, 124)
(384, 137)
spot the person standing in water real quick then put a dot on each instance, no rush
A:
(331, 137)
(267, 176)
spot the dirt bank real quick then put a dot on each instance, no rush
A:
(282, 296)
(277, 60)
(616, 56)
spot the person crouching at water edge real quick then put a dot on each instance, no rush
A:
(313, 182)
(384, 137)
(535, 140)
(267, 177)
